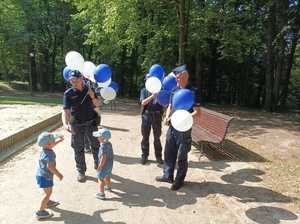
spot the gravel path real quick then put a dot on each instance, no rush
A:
(215, 191)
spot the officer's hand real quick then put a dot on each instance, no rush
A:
(167, 121)
(67, 127)
(154, 95)
(91, 93)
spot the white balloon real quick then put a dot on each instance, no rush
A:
(182, 120)
(74, 61)
(172, 74)
(88, 70)
(104, 84)
(106, 101)
(108, 93)
(153, 85)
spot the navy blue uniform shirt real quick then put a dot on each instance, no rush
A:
(80, 104)
(152, 105)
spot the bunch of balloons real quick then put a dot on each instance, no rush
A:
(159, 84)
(100, 74)
(182, 100)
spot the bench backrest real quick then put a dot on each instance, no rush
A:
(210, 126)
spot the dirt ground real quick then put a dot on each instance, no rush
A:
(17, 117)
(262, 187)
(275, 138)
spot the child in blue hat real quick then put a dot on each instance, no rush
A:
(106, 157)
(45, 171)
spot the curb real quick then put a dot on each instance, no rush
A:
(19, 140)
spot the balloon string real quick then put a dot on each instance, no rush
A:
(88, 84)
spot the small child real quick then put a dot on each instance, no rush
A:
(105, 161)
(45, 170)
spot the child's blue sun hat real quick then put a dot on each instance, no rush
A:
(103, 132)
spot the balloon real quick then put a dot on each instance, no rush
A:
(88, 70)
(157, 71)
(106, 101)
(153, 85)
(163, 98)
(74, 61)
(114, 85)
(66, 73)
(183, 99)
(169, 82)
(108, 93)
(182, 120)
(102, 73)
(104, 84)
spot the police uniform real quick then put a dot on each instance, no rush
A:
(83, 122)
(151, 117)
(177, 147)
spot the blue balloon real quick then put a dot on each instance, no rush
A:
(169, 82)
(183, 99)
(163, 98)
(102, 73)
(157, 71)
(114, 85)
(66, 73)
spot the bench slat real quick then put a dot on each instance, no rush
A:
(210, 126)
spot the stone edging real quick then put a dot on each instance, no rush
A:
(17, 141)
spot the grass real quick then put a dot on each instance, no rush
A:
(26, 100)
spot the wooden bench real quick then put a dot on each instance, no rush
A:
(211, 127)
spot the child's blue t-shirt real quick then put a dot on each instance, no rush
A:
(106, 148)
(46, 156)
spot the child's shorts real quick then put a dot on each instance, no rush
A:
(102, 175)
(43, 182)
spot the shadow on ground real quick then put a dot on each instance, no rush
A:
(269, 215)
(71, 217)
(228, 150)
(132, 193)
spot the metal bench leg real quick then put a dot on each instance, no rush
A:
(201, 150)
(219, 148)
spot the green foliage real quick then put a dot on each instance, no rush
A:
(225, 49)
(29, 100)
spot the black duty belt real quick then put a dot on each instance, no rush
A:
(152, 112)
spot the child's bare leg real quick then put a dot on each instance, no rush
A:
(107, 180)
(101, 185)
(45, 199)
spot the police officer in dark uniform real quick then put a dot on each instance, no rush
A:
(80, 118)
(178, 144)
(151, 117)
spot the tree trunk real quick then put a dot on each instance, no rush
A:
(290, 59)
(44, 76)
(182, 27)
(32, 65)
(270, 59)
(53, 67)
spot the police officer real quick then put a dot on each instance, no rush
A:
(151, 117)
(80, 118)
(178, 144)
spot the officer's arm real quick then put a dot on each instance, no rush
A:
(168, 111)
(148, 99)
(65, 117)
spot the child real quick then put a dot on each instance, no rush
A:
(46, 169)
(105, 161)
